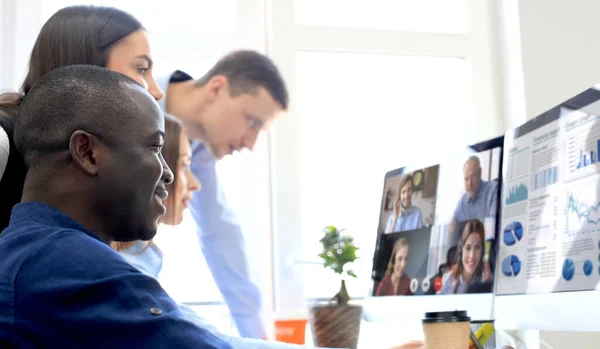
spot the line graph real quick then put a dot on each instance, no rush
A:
(582, 207)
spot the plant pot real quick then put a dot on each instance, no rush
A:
(335, 325)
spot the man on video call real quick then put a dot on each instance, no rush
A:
(405, 216)
(480, 198)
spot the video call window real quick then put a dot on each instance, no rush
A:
(409, 200)
(437, 228)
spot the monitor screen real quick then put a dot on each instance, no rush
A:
(438, 226)
(550, 230)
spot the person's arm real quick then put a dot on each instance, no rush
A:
(419, 219)
(222, 243)
(4, 150)
(90, 297)
(493, 203)
(236, 342)
(389, 228)
(454, 223)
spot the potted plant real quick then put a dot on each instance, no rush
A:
(336, 324)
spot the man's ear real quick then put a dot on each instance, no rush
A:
(83, 147)
(217, 84)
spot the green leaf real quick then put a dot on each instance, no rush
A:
(351, 273)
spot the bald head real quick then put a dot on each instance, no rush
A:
(472, 175)
(77, 97)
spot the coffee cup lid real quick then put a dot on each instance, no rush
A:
(446, 316)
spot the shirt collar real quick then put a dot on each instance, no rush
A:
(142, 246)
(409, 210)
(37, 212)
(163, 83)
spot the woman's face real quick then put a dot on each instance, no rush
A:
(131, 56)
(186, 183)
(471, 253)
(400, 262)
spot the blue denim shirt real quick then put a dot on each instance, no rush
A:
(149, 261)
(63, 287)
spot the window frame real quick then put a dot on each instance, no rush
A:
(478, 46)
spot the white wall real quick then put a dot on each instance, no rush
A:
(560, 50)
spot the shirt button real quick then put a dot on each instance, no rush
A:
(155, 311)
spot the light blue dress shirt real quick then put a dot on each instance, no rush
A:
(221, 240)
(482, 205)
(413, 219)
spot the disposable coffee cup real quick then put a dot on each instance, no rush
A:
(447, 330)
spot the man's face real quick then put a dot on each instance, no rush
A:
(406, 195)
(234, 123)
(472, 177)
(134, 173)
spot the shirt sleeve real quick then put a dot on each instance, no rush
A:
(493, 203)
(4, 150)
(223, 246)
(236, 342)
(390, 224)
(78, 292)
(457, 210)
(419, 219)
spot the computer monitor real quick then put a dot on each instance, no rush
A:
(436, 239)
(550, 229)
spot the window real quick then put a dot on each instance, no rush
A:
(182, 16)
(355, 126)
(439, 16)
(370, 91)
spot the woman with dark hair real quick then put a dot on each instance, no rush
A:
(101, 36)
(469, 268)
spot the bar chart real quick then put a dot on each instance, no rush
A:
(586, 159)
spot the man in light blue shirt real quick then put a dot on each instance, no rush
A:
(405, 216)
(480, 198)
(222, 112)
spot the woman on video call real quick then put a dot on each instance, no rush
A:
(396, 282)
(469, 268)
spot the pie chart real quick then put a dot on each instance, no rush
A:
(513, 232)
(511, 266)
(588, 267)
(568, 269)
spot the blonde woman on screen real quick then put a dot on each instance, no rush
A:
(396, 282)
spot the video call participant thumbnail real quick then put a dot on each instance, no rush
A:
(470, 271)
(480, 198)
(405, 216)
(396, 282)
